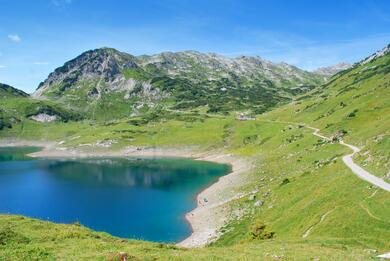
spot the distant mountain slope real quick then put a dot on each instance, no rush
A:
(116, 84)
(210, 66)
(332, 70)
(9, 91)
(16, 106)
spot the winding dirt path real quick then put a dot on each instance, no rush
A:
(347, 159)
(359, 171)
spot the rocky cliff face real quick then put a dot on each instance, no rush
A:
(100, 65)
(376, 55)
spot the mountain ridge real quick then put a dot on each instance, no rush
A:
(190, 79)
(329, 71)
(8, 90)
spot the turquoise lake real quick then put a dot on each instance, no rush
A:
(136, 198)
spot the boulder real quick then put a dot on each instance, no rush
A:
(259, 203)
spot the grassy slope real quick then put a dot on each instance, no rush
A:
(356, 101)
(9, 91)
(28, 239)
(16, 110)
(301, 180)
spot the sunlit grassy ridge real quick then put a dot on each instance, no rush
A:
(355, 102)
(312, 205)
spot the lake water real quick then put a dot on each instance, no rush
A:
(126, 197)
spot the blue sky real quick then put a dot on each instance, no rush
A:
(38, 36)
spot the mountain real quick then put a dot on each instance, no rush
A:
(332, 70)
(128, 85)
(9, 91)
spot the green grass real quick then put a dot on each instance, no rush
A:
(23, 238)
(357, 102)
(137, 74)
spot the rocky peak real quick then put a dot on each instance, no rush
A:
(106, 62)
(252, 59)
(376, 55)
(102, 63)
(332, 70)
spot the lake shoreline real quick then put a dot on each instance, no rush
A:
(208, 216)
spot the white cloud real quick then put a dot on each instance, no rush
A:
(41, 63)
(61, 3)
(2, 66)
(14, 38)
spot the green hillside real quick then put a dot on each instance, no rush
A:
(9, 91)
(355, 103)
(16, 107)
(312, 206)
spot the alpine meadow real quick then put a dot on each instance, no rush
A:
(145, 150)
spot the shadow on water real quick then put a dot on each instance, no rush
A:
(128, 197)
(164, 174)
